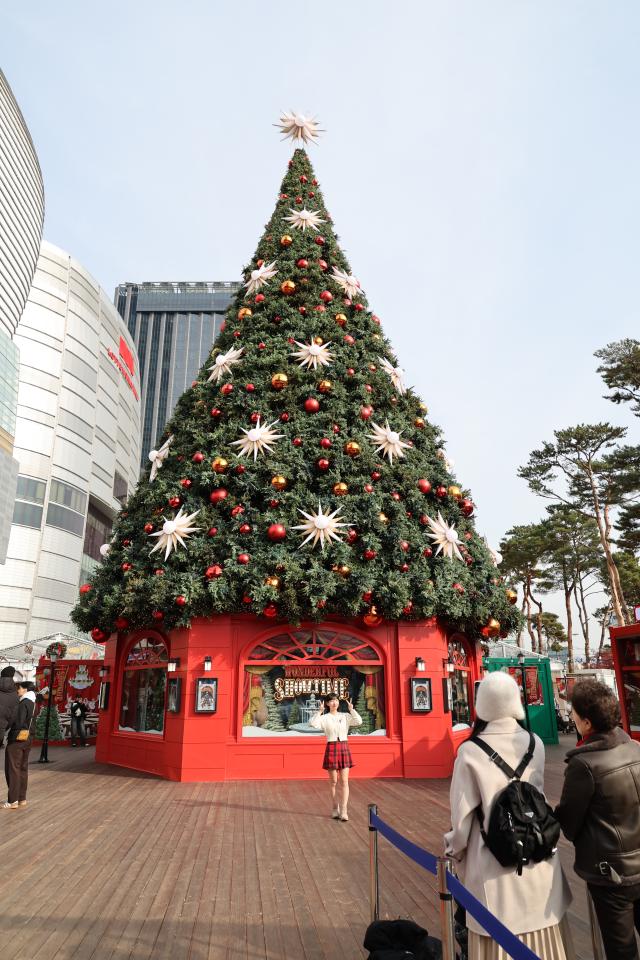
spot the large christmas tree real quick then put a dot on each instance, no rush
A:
(298, 477)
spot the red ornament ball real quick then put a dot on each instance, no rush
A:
(358, 307)
(226, 389)
(352, 535)
(215, 412)
(302, 311)
(368, 388)
(174, 502)
(98, 635)
(148, 528)
(365, 411)
(261, 346)
(212, 531)
(274, 503)
(121, 623)
(311, 405)
(247, 599)
(285, 417)
(396, 496)
(297, 441)
(85, 588)
(245, 528)
(370, 554)
(368, 596)
(324, 266)
(181, 601)
(325, 443)
(467, 506)
(441, 492)
(404, 567)
(323, 464)
(255, 416)
(326, 296)
(349, 339)
(217, 496)
(321, 604)
(243, 558)
(159, 572)
(198, 457)
(270, 610)
(303, 179)
(350, 371)
(404, 545)
(427, 552)
(185, 484)
(250, 387)
(276, 532)
(157, 615)
(408, 609)
(236, 511)
(368, 488)
(458, 588)
(424, 486)
(302, 263)
(213, 572)
(320, 241)
(375, 475)
(240, 469)
(424, 520)
(336, 428)
(127, 566)
(260, 298)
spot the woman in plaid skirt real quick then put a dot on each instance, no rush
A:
(337, 756)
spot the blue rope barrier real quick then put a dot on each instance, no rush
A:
(501, 934)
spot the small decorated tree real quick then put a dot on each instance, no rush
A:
(55, 728)
(274, 718)
(368, 720)
(299, 476)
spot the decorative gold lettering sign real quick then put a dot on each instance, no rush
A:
(288, 687)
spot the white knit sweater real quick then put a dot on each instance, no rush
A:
(335, 726)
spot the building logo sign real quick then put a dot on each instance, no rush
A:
(125, 364)
(304, 681)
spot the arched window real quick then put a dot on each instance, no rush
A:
(287, 675)
(144, 681)
(460, 682)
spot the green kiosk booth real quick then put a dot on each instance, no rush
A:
(533, 676)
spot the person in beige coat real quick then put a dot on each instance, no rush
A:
(533, 905)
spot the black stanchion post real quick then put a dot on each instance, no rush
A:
(374, 892)
(44, 749)
(446, 911)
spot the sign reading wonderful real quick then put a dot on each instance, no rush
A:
(302, 681)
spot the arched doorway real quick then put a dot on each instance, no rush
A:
(286, 674)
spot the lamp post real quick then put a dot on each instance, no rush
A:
(524, 689)
(44, 750)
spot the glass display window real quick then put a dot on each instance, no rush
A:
(286, 677)
(460, 682)
(144, 683)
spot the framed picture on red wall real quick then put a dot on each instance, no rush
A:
(206, 695)
(421, 694)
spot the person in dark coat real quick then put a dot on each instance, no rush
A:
(599, 811)
(16, 758)
(78, 714)
(8, 700)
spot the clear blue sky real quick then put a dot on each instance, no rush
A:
(481, 164)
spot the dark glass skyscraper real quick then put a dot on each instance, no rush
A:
(173, 326)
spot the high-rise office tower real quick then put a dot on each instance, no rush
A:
(173, 326)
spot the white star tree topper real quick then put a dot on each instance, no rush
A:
(320, 527)
(223, 364)
(158, 457)
(446, 536)
(301, 219)
(389, 441)
(349, 284)
(295, 126)
(313, 354)
(258, 439)
(174, 532)
(396, 374)
(260, 277)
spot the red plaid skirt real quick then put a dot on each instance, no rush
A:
(337, 756)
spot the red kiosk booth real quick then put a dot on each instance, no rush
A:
(625, 648)
(230, 698)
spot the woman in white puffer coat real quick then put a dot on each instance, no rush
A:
(533, 905)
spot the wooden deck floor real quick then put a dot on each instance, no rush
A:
(104, 863)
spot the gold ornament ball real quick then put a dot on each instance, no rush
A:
(279, 381)
(383, 518)
(325, 386)
(342, 569)
(340, 488)
(372, 618)
(352, 449)
(419, 423)
(318, 340)
(455, 492)
(287, 286)
(279, 482)
(286, 240)
(512, 596)
(220, 465)
(341, 319)
(493, 627)
(273, 581)
(244, 312)
(375, 336)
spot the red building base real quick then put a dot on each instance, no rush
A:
(625, 648)
(229, 699)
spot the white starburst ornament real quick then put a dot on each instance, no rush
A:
(313, 354)
(297, 127)
(349, 284)
(174, 532)
(260, 277)
(495, 555)
(320, 527)
(449, 464)
(158, 457)
(104, 549)
(223, 363)
(388, 441)
(301, 219)
(258, 439)
(446, 537)
(396, 374)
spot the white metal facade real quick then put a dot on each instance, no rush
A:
(77, 435)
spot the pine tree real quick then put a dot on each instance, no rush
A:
(55, 729)
(294, 714)
(301, 352)
(368, 720)
(274, 718)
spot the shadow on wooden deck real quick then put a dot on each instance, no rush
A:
(109, 864)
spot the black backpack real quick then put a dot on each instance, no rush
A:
(522, 827)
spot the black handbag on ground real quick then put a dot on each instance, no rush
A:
(400, 940)
(522, 827)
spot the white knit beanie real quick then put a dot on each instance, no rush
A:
(498, 697)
